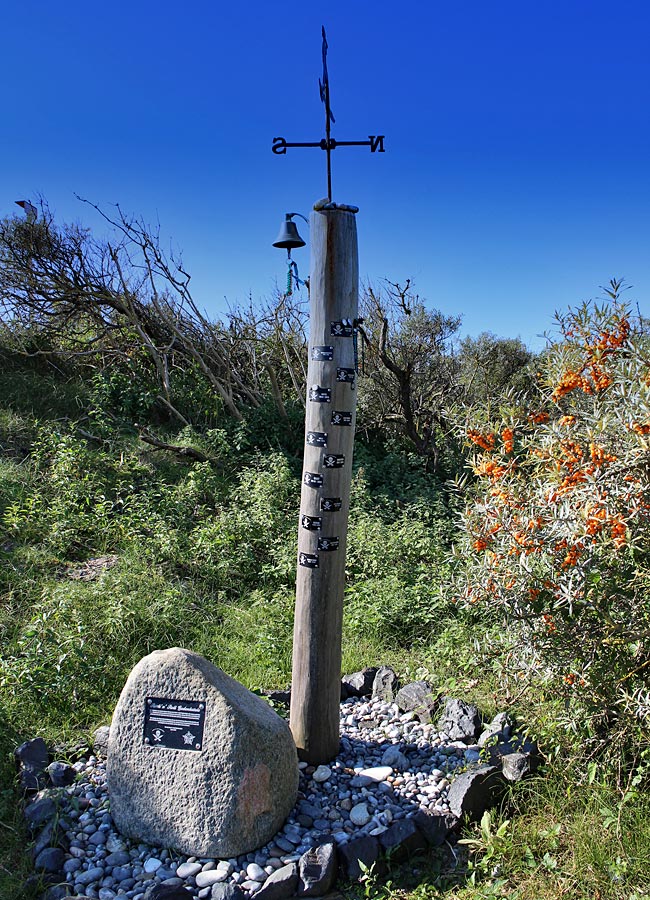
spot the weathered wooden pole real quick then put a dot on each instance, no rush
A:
(327, 472)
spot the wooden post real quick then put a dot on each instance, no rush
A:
(327, 472)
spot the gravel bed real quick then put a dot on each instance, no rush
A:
(389, 766)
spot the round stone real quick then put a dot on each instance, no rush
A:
(322, 773)
(188, 869)
(255, 872)
(152, 864)
(359, 815)
(212, 876)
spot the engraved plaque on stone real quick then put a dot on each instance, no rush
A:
(322, 354)
(341, 418)
(333, 460)
(308, 560)
(313, 479)
(173, 724)
(328, 543)
(311, 523)
(330, 504)
(318, 394)
(317, 438)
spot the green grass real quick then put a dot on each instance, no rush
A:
(206, 560)
(549, 840)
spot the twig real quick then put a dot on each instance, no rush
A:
(186, 452)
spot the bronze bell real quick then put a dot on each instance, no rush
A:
(288, 236)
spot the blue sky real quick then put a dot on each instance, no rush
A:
(516, 174)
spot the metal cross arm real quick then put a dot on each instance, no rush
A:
(375, 142)
(328, 143)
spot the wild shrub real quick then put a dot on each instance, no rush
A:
(557, 520)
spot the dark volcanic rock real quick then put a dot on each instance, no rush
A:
(460, 720)
(317, 870)
(51, 835)
(515, 766)
(363, 849)
(39, 812)
(61, 774)
(281, 884)
(418, 697)
(166, 892)
(224, 891)
(49, 860)
(385, 684)
(435, 828)
(475, 791)
(402, 839)
(359, 684)
(32, 755)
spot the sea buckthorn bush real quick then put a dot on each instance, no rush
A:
(557, 522)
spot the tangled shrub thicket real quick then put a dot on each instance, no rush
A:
(557, 527)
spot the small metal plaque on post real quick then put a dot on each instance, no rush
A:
(311, 523)
(313, 479)
(173, 724)
(317, 438)
(322, 354)
(343, 328)
(330, 504)
(308, 560)
(341, 418)
(328, 543)
(345, 375)
(318, 394)
(333, 460)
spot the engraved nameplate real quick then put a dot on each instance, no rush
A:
(323, 353)
(173, 724)
(317, 438)
(345, 375)
(343, 328)
(320, 394)
(341, 418)
(328, 543)
(330, 504)
(333, 460)
(313, 479)
(308, 560)
(311, 523)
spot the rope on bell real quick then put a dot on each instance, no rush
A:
(290, 265)
(292, 277)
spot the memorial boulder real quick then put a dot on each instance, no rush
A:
(196, 761)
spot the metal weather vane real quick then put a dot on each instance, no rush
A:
(328, 143)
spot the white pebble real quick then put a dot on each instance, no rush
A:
(377, 773)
